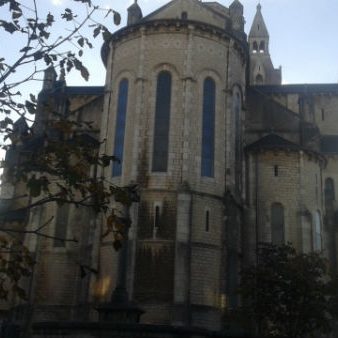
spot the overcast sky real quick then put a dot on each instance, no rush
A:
(303, 35)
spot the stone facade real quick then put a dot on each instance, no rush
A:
(274, 158)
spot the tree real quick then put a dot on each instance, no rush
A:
(57, 170)
(289, 294)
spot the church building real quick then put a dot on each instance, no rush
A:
(225, 158)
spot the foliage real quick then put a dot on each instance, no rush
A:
(56, 164)
(15, 263)
(289, 294)
(41, 47)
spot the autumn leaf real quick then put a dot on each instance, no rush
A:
(8, 26)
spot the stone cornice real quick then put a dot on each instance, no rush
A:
(172, 25)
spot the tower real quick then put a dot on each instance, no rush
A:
(261, 67)
(134, 13)
(174, 136)
(236, 14)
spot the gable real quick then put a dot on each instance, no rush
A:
(196, 11)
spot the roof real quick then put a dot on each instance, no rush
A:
(212, 6)
(236, 4)
(273, 141)
(258, 28)
(215, 6)
(299, 88)
(73, 90)
(85, 90)
(20, 125)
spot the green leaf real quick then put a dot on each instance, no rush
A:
(81, 41)
(47, 59)
(50, 19)
(8, 26)
(25, 49)
(34, 187)
(38, 55)
(117, 18)
(88, 43)
(14, 6)
(31, 107)
(106, 35)
(32, 97)
(3, 2)
(84, 73)
(44, 34)
(96, 31)
(85, 2)
(16, 15)
(83, 70)
(68, 15)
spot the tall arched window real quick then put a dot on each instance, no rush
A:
(120, 126)
(277, 224)
(329, 191)
(259, 79)
(208, 128)
(237, 110)
(162, 122)
(61, 226)
(255, 47)
(262, 47)
(317, 243)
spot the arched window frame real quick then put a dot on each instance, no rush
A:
(157, 211)
(329, 190)
(277, 224)
(120, 126)
(208, 127)
(237, 124)
(61, 225)
(262, 46)
(207, 220)
(162, 121)
(317, 232)
(255, 47)
(259, 79)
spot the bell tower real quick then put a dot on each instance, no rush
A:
(261, 68)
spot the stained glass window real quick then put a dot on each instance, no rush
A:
(120, 126)
(162, 122)
(208, 128)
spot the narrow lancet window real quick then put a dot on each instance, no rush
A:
(207, 221)
(255, 47)
(208, 128)
(329, 191)
(317, 243)
(120, 126)
(162, 122)
(262, 47)
(157, 219)
(277, 224)
(61, 225)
